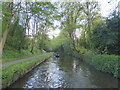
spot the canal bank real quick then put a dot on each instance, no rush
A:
(102, 62)
(105, 63)
(66, 72)
(13, 72)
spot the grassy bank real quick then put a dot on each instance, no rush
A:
(10, 54)
(12, 72)
(105, 63)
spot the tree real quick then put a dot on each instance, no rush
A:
(79, 15)
(17, 18)
(41, 13)
(7, 11)
(91, 16)
(71, 19)
(107, 31)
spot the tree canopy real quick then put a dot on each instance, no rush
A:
(26, 25)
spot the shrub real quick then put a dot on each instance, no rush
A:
(105, 63)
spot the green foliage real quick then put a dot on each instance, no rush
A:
(61, 43)
(105, 63)
(41, 41)
(16, 21)
(6, 11)
(16, 37)
(105, 36)
(82, 50)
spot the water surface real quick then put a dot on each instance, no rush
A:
(66, 72)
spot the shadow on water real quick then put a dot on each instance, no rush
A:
(66, 72)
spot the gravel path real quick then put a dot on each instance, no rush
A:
(16, 61)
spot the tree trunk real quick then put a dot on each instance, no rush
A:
(3, 39)
(5, 33)
(73, 43)
(32, 47)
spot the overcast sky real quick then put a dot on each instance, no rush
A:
(107, 6)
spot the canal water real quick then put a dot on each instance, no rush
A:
(66, 72)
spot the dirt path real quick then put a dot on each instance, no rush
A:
(16, 61)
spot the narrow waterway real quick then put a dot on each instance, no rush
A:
(66, 72)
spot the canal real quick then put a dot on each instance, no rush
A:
(66, 72)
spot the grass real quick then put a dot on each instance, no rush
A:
(15, 70)
(105, 63)
(10, 54)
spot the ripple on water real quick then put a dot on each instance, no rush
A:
(66, 73)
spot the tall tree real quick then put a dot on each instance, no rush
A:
(7, 11)
(71, 19)
(91, 16)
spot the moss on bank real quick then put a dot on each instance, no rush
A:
(12, 72)
(105, 63)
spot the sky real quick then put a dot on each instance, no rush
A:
(106, 7)
(54, 32)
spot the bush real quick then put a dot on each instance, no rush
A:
(105, 63)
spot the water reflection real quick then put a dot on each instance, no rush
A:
(66, 72)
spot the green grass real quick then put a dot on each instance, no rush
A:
(105, 63)
(11, 71)
(10, 54)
